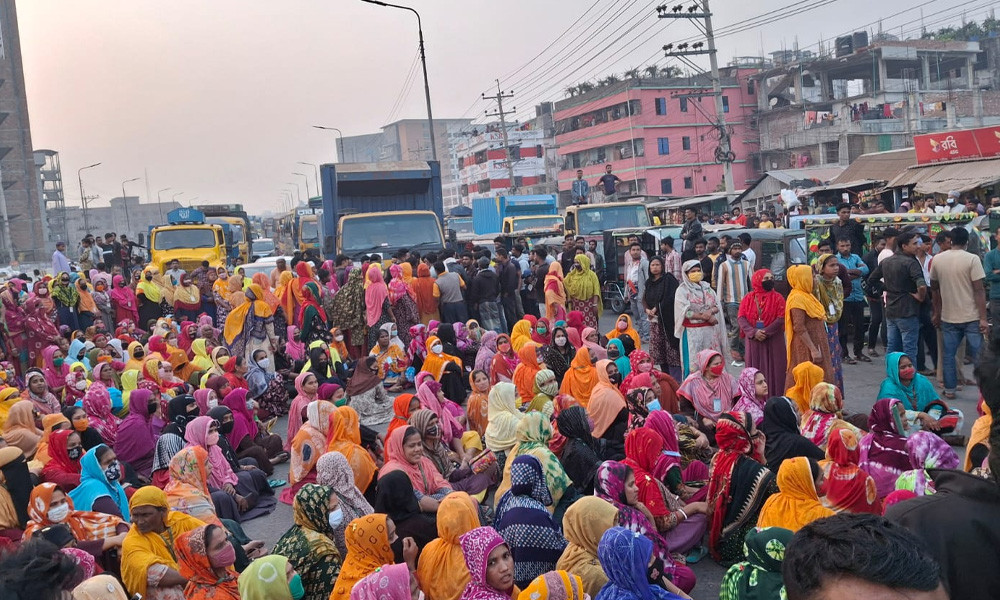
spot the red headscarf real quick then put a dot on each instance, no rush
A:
(759, 305)
(538, 338)
(732, 434)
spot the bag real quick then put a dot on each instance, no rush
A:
(483, 461)
(873, 288)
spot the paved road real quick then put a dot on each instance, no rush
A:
(861, 382)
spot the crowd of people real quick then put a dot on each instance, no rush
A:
(460, 427)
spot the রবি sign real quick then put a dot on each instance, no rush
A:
(944, 146)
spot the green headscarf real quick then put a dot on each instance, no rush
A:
(65, 294)
(759, 576)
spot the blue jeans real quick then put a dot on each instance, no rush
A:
(904, 335)
(953, 334)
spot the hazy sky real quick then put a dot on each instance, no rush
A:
(216, 98)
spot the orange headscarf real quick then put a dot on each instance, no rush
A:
(435, 363)
(87, 526)
(806, 376)
(367, 541)
(797, 503)
(423, 287)
(605, 400)
(265, 285)
(629, 331)
(286, 299)
(344, 436)
(581, 377)
(49, 423)
(524, 374)
(442, 572)
(236, 320)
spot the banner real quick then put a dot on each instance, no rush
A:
(944, 146)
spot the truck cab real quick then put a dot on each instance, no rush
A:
(188, 239)
(537, 224)
(592, 219)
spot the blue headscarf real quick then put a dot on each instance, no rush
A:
(622, 362)
(94, 484)
(915, 396)
(624, 555)
(74, 349)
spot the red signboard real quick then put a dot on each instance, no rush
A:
(965, 144)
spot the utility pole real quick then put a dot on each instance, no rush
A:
(724, 153)
(499, 112)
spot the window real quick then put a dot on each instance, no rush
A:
(684, 104)
(663, 144)
(688, 183)
(661, 106)
(751, 87)
(666, 186)
(685, 143)
(725, 104)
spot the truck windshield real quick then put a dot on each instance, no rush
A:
(599, 218)
(238, 233)
(524, 224)
(175, 239)
(309, 231)
(461, 225)
(263, 246)
(390, 231)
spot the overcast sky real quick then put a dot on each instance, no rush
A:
(216, 98)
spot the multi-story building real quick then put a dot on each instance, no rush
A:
(658, 134)
(53, 200)
(17, 161)
(870, 97)
(126, 216)
(409, 139)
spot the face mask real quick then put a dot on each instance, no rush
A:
(81, 385)
(75, 453)
(59, 513)
(249, 405)
(113, 472)
(336, 518)
(432, 431)
(149, 277)
(295, 587)
(225, 557)
(58, 362)
(226, 428)
(81, 424)
(264, 363)
(654, 405)
(193, 414)
(767, 284)
(616, 379)
(339, 338)
(436, 348)
(907, 373)
(140, 354)
(212, 402)
(696, 276)
(151, 407)
(213, 438)
(560, 341)
(421, 596)
(542, 331)
(393, 333)
(645, 367)
(717, 369)
(503, 347)
(622, 325)
(612, 353)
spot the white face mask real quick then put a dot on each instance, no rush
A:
(336, 518)
(264, 363)
(339, 338)
(436, 348)
(560, 341)
(213, 401)
(58, 514)
(81, 385)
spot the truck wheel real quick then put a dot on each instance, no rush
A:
(618, 305)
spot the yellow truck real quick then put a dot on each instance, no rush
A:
(188, 239)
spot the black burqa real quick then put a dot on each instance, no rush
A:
(582, 453)
(394, 497)
(781, 426)
(660, 294)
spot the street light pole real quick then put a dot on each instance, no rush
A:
(306, 177)
(128, 223)
(83, 198)
(340, 140)
(298, 191)
(423, 62)
(319, 192)
(159, 202)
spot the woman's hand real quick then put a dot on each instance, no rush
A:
(696, 508)
(928, 421)
(410, 551)
(428, 504)
(759, 335)
(816, 355)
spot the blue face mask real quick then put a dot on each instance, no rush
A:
(654, 405)
(295, 587)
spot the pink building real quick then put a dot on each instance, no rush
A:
(659, 142)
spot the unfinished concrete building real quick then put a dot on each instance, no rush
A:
(862, 98)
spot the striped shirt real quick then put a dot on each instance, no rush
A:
(734, 280)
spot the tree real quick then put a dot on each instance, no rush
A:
(585, 87)
(652, 70)
(572, 91)
(609, 80)
(631, 73)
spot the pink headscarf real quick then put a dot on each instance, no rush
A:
(124, 297)
(598, 351)
(201, 397)
(376, 293)
(425, 477)
(243, 423)
(388, 581)
(97, 405)
(294, 350)
(196, 434)
(427, 394)
(398, 287)
(55, 378)
(301, 401)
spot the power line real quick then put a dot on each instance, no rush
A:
(405, 90)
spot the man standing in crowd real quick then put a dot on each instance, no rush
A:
(635, 285)
(280, 266)
(905, 290)
(846, 227)
(928, 333)
(448, 290)
(734, 284)
(671, 257)
(510, 287)
(174, 271)
(692, 229)
(581, 189)
(748, 252)
(991, 266)
(853, 316)
(609, 183)
(60, 263)
(90, 256)
(959, 303)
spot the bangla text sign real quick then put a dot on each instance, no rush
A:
(983, 142)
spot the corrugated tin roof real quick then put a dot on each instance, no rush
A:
(824, 173)
(944, 177)
(878, 166)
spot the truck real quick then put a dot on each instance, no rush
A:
(537, 213)
(380, 208)
(238, 221)
(594, 219)
(188, 238)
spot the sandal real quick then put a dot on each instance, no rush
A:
(864, 358)
(850, 361)
(276, 483)
(695, 554)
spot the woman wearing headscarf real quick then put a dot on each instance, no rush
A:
(67, 300)
(149, 566)
(334, 471)
(220, 293)
(402, 298)
(307, 446)
(584, 524)
(618, 354)
(627, 336)
(884, 455)
(487, 350)
(63, 467)
(686, 479)
(546, 387)
(926, 451)
(100, 489)
(136, 442)
(523, 519)
(56, 369)
(581, 454)
(638, 400)
(367, 395)
(50, 424)
(124, 300)
(442, 572)
(698, 322)
(805, 376)
(846, 487)
(583, 290)
(759, 575)
(247, 439)
(94, 532)
(781, 429)
(825, 413)
(623, 556)
(423, 289)
(152, 294)
(206, 558)
(830, 292)
(477, 404)
(377, 303)
(395, 497)
(520, 334)
(608, 411)
(753, 389)
(490, 565)
(658, 301)
(187, 299)
(581, 377)
(250, 326)
(312, 319)
(709, 390)
(524, 374)
(14, 493)
(978, 446)
(188, 492)
(390, 358)
(87, 307)
(805, 327)
(8, 398)
(455, 468)
(559, 353)
(924, 408)
(504, 362)
(762, 325)
(344, 436)
(428, 484)
(40, 329)
(19, 429)
(307, 386)
(368, 542)
(308, 544)
(503, 419)
(555, 293)
(532, 438)
(739, 484)
(797, 502)
(445, 368)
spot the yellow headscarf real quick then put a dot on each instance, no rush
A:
(8, 397)
(582, 284)
(154, 290)
(797, 503)
(130, 382)
(237, 317)
(286, 295)
(201, 360)
(442, 572)
(800, 277)
(520, 334)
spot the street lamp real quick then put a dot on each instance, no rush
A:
(173, 198)
(340, 140)
(159, 201)
(128, 224)
(423, 62)
(319, 192)
(298, 191)
(83, 199)
(306, 177)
